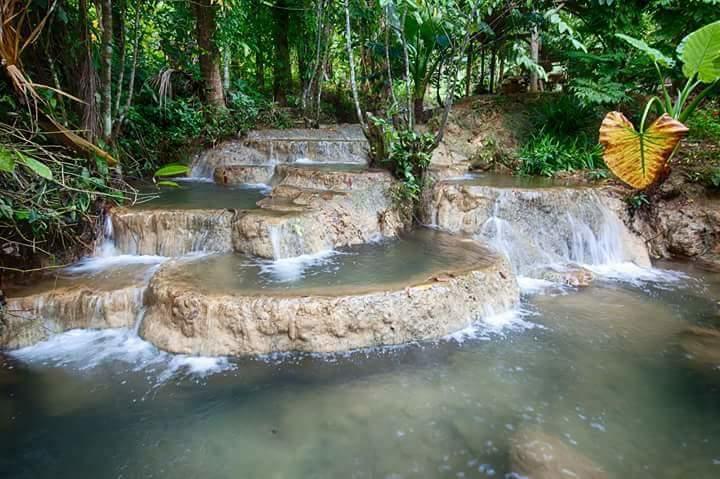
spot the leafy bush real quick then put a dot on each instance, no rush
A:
(51, 199)
(704, 124)
(407, 154)
(562, 116)
(155, 135)
(546, 154)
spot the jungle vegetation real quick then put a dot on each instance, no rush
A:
(97, 92)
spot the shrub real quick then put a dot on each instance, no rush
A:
(545, 154)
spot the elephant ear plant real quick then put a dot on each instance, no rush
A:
(640, 157)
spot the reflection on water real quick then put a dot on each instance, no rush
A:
(603, 373)
(205, 195)
(416, 257)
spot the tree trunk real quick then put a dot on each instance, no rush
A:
(227, 60)
(482, 70)
(468, 69)
(209, 54)
(351, 61)
(282, 74)
(106, 69)
(535, 56)
(493, 62)
(119, 38)
(419, 108)
(88, 78)
(260, 70)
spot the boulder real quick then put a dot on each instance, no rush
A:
(702, 346)
(536, 455)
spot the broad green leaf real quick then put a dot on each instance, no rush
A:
(7, 160)
(173, 169)
(35, 166)
(700, 53)
(656, 55)
(639, 159)
(168, 183)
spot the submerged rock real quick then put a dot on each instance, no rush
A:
(702, 346)
(536, 455)
(243, 174)
(575, 276)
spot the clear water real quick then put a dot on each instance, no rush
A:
(599, 368)
(507, 181)
(205, 195)
(415, 258)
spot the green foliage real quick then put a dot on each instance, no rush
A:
(637, 201)
(562, 116)
(704, 124)
(407, 154)
(545, 155)
(155, 135)
(52, 202)
(602, 91)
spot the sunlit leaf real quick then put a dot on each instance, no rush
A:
(35, 166)
(7, 160)
(639, 160)
(173, 169)
(700, 53)
(168, 183)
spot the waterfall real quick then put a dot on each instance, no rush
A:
(555, 228)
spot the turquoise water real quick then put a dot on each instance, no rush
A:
(600, 368)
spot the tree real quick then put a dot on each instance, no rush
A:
(282, 73)
(205, 27)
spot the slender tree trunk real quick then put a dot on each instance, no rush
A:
(353, 83)
(501, 72)
(260, 70)
(482, 70)
(535, 56)
(133, 71)
(468, 69)
(88, 78)
(493, 64)
(282, 74)
(227, 60)
(406, 60)
(106, 68)
(209, 53)
(119, 35)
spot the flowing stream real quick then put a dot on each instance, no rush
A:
(602, 368)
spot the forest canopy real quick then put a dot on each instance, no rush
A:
(95, 92)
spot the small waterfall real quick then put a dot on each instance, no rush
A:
(555, 228)
(106, 248)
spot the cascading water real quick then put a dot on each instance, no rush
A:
(534, 230)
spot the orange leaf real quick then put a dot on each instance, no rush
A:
(639, 159)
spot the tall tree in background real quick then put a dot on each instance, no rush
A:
(282, 79)
(205, 28)
(106, 68)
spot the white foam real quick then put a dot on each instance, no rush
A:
(308, 161)
(84, 349)
(292, 269)
(632, 273)
(99, 263)
(494, 324)
(530, 285)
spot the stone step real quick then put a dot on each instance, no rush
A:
(308, 211)
(75, 298)
(423, 286)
